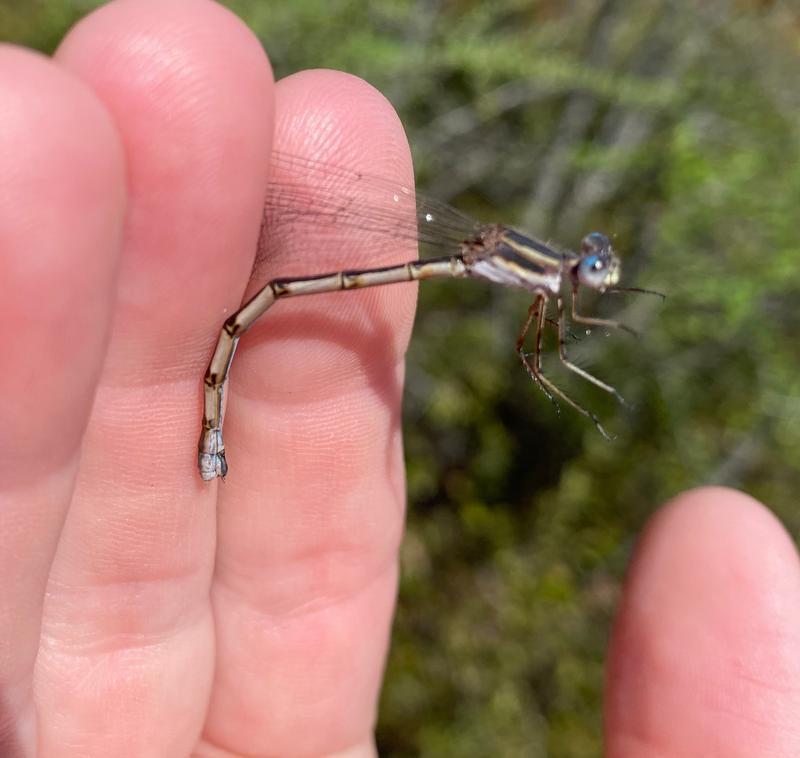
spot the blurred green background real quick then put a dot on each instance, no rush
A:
(670, 124)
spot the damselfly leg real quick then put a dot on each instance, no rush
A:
(536, 313)
(591, 321)
(562, 353)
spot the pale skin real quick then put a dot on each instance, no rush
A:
(144, 612)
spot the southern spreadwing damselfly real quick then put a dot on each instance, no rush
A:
(467, 249)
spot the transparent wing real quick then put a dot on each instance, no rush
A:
(325, 197)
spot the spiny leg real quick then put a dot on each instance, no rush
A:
(554, 323)
(536, 311)
(535, 370)
(590, 321)
(562, 352)
(577, 406)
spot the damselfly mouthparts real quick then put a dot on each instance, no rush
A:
(480, 251)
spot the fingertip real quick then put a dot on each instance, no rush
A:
(334, 116)
(706, 646)
(340, 121)
(120, 29)
(191, 91)
(717, 528)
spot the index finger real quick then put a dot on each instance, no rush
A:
(311, 513)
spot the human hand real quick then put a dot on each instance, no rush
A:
(147, 613)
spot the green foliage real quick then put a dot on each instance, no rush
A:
(671, 124)
(40, 24)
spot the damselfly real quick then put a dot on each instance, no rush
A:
(472, 250)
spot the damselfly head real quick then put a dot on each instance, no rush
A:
(598, 266)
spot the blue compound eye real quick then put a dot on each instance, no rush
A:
(595, 242)
(592, 262)
(592, 271)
